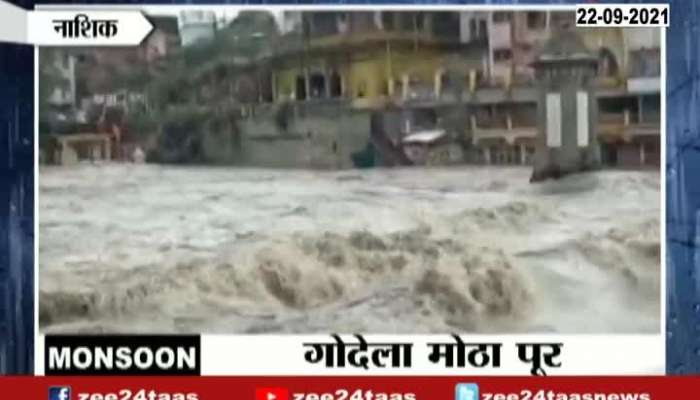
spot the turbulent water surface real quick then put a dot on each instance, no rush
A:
(148, 248)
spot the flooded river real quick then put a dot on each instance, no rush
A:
(143, 248)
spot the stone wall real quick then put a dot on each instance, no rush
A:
(322, 135)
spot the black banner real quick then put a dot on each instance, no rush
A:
(122, 355)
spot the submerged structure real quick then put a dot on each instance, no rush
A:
(567, 108)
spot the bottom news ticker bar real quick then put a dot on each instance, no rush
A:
(350, 388)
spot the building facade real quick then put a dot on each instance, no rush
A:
(374, 56)
(197, 26)
(470, 74)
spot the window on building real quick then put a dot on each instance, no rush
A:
(501, 55)
(445, 80)
(362, 89)
(388, 21)
(411, 21)
(317, 85)
(652, 152)
(645, 63)
(607, 63)
(406, 21)
(419, 19)
(324, 23)
(650, 107)
(608, 154)
(613, 110)
(477, 29)
(562, 19)
(306, 25)
(529, 154)
(536, 20)
(446, 24)
(343, 22)
(501, 16)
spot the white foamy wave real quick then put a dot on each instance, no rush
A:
(460, 285)
(151, 249)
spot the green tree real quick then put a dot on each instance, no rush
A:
(247, 36)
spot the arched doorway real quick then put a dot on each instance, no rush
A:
(607, 63)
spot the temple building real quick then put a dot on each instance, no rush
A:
(375, 56)
(384, 76)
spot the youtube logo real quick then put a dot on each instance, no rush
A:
(271, 394)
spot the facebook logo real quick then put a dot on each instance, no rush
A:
(467, 391)
(59, 393)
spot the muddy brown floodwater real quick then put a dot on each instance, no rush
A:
(144, 248)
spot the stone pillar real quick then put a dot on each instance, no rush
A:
(108, 149)
(260, 87)
(64, 153)
(566, 141)
(437, 83)
(523, 154)
(428, 23)
(487, 155)
(94, 151)
(642, 156)
(404, 86)
(472, 80)
(327, 85)
(273, 78)
(473, 128)
(326, 81)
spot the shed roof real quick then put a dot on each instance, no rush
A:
(422, 137)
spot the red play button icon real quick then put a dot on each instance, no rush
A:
(271, 394)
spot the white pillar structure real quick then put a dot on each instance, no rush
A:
(487, 155)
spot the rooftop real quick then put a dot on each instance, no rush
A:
(565, 45)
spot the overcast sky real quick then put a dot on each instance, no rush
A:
(228, 12)
(221, 11)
